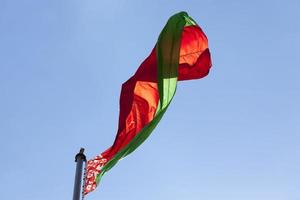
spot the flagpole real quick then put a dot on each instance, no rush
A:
(79, 159)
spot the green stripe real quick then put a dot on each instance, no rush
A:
(189, 21)
(168, 49)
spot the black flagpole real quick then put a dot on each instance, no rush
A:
(79, 159)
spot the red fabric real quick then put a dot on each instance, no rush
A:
(139, 95)
(194, 61)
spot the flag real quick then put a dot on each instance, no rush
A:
(181, 53)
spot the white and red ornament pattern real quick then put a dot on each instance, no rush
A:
(93, 168)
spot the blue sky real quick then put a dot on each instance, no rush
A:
(233, 135)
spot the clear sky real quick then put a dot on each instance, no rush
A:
(234, 135)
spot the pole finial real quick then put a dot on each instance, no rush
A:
(80, 155)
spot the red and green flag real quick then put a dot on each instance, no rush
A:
(181, 53)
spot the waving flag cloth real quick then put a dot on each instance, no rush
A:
(181, 53)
